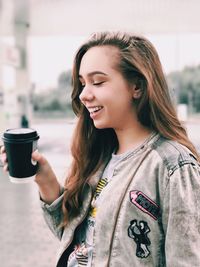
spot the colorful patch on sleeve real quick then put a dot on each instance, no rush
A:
(138, 232)
(145, 204)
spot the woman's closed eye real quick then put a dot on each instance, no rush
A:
(98, 83)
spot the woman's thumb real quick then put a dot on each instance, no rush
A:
(36, 156)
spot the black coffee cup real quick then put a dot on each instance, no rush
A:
(19, 144)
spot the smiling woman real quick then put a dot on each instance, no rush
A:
(132, 193)
(101, 85)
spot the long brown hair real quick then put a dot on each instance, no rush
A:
(139, 62)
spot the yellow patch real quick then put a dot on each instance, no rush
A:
(93, 212)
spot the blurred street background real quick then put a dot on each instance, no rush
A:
(38, 40)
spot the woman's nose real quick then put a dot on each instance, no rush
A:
(86, 94)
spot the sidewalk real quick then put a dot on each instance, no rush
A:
(24, 237)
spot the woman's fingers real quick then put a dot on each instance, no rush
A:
(5, 167)
(2, 149)
(45, 174)
(4, 158)
(3, 155)
(36, 156)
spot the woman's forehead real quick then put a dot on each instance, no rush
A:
(99, 58)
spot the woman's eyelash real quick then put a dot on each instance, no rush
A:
(97, 83)
(94, 83)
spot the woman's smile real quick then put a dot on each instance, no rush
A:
(94, 111)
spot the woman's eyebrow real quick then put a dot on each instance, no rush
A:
(90, 74)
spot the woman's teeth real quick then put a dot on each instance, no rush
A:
(95, 109)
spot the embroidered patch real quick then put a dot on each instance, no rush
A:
(138, 232)
(145, 204)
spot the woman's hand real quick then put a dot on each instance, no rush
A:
(46, 180)
(4, 158)
(45, 174)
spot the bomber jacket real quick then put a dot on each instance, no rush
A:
(151, 215)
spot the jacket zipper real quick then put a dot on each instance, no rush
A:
(70, 241)
(115, 225)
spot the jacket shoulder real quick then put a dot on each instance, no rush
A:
(173, 154)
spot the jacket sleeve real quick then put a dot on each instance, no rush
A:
(53, 215)
(182, 217)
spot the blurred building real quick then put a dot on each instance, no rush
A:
(22, 18)
(14, 76)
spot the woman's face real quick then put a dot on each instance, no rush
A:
(107, 96)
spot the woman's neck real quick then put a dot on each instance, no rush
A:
(131, 137)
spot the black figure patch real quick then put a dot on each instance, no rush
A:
(139, 234)
(144, 203)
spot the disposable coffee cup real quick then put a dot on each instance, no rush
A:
(19, 144)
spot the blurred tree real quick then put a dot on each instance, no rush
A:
(186, 84)
(55, 100)
(65, 79)
(65, 84)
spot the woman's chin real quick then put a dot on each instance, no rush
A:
(100, 125)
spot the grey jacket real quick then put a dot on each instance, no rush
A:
(151, 215)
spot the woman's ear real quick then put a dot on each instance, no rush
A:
(137, 92)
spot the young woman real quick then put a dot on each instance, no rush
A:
(132, 195)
